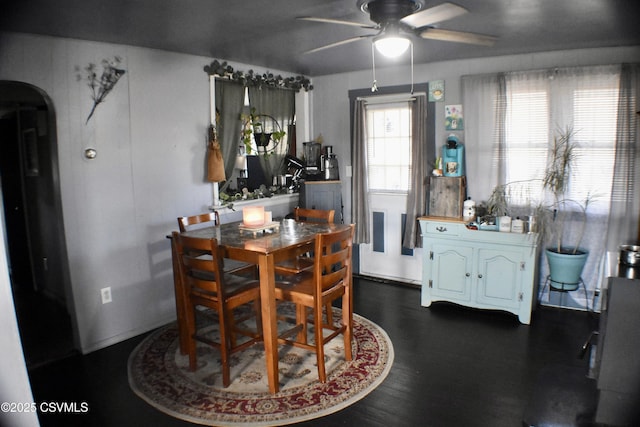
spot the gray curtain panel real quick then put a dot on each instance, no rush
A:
(625, 189)
(360, 190)
(229, 102)
(281, 105)
(416, 198)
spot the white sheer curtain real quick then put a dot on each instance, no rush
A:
(511, 119)
(482, 110)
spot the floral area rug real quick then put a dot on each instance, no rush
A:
(159, 374)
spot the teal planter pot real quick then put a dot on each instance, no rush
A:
(565, 269)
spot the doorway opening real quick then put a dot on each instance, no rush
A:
(34, 229)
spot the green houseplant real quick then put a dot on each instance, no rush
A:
(566, 260)
(263, 134)
(267, 134)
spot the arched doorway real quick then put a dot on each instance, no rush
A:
(34, 228)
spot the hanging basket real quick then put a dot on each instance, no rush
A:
(262, 139)
(267, 133)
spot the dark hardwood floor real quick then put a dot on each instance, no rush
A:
(453, 366)
(41, 345)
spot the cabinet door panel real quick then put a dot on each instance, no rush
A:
(325, 196)
(499, 277)
(452, 271)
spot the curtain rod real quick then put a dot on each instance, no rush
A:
(398, 97)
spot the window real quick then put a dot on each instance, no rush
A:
(534, 115)
(389, 147)
(511, 118)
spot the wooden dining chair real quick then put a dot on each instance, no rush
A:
(329, 280)
(189, 222)
(314, 215)
(204, 284)
(212, 219)
(303, 259)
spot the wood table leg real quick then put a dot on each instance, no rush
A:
(269, 326)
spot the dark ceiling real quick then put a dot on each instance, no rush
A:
(266, 32)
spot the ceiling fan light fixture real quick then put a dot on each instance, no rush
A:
(391, 46)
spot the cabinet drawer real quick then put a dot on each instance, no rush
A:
(442, 228)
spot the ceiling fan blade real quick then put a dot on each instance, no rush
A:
(430, 16)
(352, 39)
(457, 36)
(336, 21)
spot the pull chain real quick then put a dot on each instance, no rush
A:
(411, 68)
(374, 86)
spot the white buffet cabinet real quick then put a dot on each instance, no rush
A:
(478, 268)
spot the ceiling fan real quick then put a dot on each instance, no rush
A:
(400, 19)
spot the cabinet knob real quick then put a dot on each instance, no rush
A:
(468, 274)
(479, 276)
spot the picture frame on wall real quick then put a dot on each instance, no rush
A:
(454, 119)
(436, 91)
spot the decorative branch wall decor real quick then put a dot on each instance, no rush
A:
(100, 87)
(250, 78)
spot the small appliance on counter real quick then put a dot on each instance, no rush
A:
(629, 262)
(329, 165)
(311, 153)
(453, 157)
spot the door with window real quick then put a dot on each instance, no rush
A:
(389, 166)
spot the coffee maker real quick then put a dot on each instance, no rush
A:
(329, 164)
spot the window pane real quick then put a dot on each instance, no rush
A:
(595, 125)
(530, 125)
(527, 133)
(389, 146)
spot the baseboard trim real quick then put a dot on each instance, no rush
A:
(387, 281)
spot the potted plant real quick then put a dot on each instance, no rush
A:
(267, 134)
(500, 202)
(263, 133)
(566, 261)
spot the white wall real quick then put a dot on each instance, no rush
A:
(330, 102)
(150, 135)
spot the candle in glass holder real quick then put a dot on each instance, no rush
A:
(253, 216)
(268, 217)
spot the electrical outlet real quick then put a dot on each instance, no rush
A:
(105, 293)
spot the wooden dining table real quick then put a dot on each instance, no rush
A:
(265, 249)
